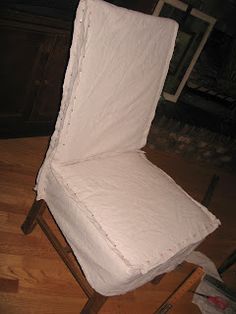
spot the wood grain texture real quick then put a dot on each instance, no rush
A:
(9, 285)
(44, 284)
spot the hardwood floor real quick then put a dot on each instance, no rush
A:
(32, 277)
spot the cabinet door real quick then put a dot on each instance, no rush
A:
(33, 59)
(47, 100)
(19, 53)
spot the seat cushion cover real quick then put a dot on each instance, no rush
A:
(137, 221)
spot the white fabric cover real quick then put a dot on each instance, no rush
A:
(118, 63)
(124, 218)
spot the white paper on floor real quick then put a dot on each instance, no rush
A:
(209, 267)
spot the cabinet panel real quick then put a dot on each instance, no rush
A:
(18, 54)
(33, 58)
(48, 98)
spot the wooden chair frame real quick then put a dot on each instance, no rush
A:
(95, 300)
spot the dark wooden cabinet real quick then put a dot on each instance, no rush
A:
(33, 57)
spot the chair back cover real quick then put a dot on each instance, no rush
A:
(117, 67)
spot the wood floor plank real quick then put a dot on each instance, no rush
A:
(39, 304)
(9, 285)
(21, 245)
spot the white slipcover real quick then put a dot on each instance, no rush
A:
(124, 218)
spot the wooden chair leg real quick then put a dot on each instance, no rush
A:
(230, 260)
(94, 304)
(31, 219)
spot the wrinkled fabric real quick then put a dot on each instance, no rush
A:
(118, 62)
(125, 219)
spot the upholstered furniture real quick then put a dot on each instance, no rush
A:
(125, 219)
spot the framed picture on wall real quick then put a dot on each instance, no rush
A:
(195, 28)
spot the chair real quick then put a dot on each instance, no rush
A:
(126, 220)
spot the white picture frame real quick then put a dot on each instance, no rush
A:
(200, 15)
